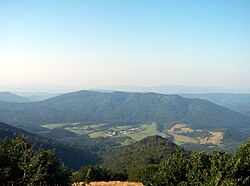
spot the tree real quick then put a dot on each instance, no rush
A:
(20, 164)
(241, 166)
(200, 168)
(172, 171)
(142, 173)
(89, 174)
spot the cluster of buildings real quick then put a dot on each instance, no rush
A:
(132, 130)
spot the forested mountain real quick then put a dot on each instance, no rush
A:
(10, 97)
(37, 96)
(71, 155)
(236, 102)
(21, 164)
(149, 151)
(122, 108)
(152, 161)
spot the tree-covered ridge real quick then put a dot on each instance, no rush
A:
(22, 165)
(236, 102)
(149, 151)
(181, 168)
(122, 108)
(65, 151)
(217, 168)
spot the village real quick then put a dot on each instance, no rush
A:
(112, 132)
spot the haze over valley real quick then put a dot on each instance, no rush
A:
(134, 92)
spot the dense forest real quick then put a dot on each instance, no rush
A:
(144, 161)
(121, 108)
(21, 165)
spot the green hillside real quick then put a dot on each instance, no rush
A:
(148, 151)
(236, 102)
(63, 150)
(122, 108)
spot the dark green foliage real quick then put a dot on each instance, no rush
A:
(241, 168)
(172, 171)
(153, 161)
(65, 151)
(203, 147)
(217, 168)
(196, 134)
(142, 173)
(149, 151)
(58, 133)
(89, 174)
(139, 160)
(122, 108)
(98, 145)
(21, 165)
(235, 136)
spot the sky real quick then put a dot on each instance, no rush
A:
(86, 44)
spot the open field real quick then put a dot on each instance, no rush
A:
(149, 130)
(58, 125)
(136, 133)
(53, 126)
(183, 134)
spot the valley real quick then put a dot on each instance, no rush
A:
(103, 133)
(180, 134)
(125, 117)
(129, 93)
(133, 133)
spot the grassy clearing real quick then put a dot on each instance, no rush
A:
(97, 134)
(53, 126)
(183, 134)
(125, 127)
(79, 132)
(179, 139)
(99, 126)
(149, 130)
(100, 130)
(58, 125)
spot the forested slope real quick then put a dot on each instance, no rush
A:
(122, 108)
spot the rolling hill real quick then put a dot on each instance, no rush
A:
(70, 155)
(10, 97)
(236, 102)
(149, 151)
(122, 108)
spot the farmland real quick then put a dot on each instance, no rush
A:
(182, 133)
(179, 133)
(135, 133)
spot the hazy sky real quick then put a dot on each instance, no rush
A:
(91, 43)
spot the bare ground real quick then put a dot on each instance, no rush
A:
(178, 129)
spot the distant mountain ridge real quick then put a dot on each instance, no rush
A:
(177, 89)
(236, 102)
(122, 108)
(37, 96)
(10, 97)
